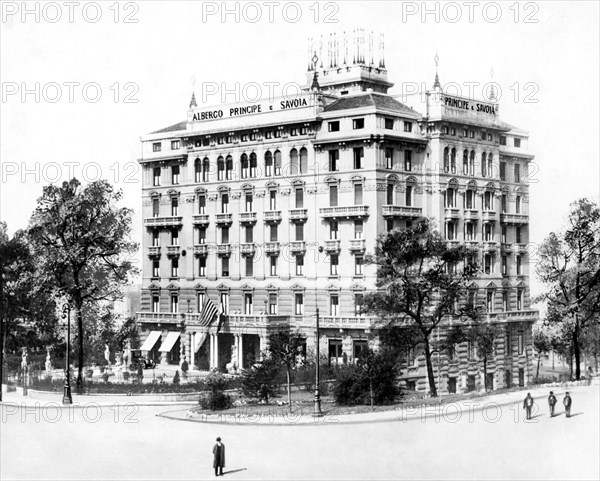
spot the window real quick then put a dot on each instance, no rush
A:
(451, 230)
(358, 194)
(389, 194)
(333, 264)
(505, 304)
(201, 235)
(155, 269)
(464, 133)
(471, 134)
(224, 302)
(334, 305)
(334, 157)
(272, 303)
(490, 137)
(299, 304)
(268, 164)
(333, 126)
(156, 176)
(175, 174)
(248, 304)
(517, 173)
(174, 206)
(483, 135)
(249, 234)
(453, 161)
(489, 301)
(201, 204)
(358, 229)
(156, 147)
(490, 165)
(299, 232)
(225, 266)
(446, 159)
(469, 199)
(358, 266)
(470, 351)
(488, 200)
(253, 165)
(299, 265)
(174, 238)
(488, 263)
(451, 197)
(220, 140)
(469, 231)
(389, 158)
(488, 232)
(277, 163)
(504, 265)
(483, 165)
(333, 195)
(202, 266)
(174, 144)
(519, 265)
(503, 203)
(502, 170)
(358, 302)
(358, 157)
(408, 160)
(503, 140)
(229, 167)
(268, 134)
(445, 130)
(174, 303)
(517, 142)
(272, 200)
(472, 163)
(503, 234)
(520, 342)
(518, 204)
(273, 265)
(245, 164)
(335, 351)
(200, 301)
(389, 124)
(174, 267)
(198, 170)
(278, 134)
(452, 131)
(518, 234)
(294, 166)
(155, 304)
(249, 202)
(408, 195)
(407, 126)
(155, 238)
(389, 225)
(333, 230)
(249, 264)
(224, 235)
(224, 203)
(299, 197)
(519, 300)
(358, 123)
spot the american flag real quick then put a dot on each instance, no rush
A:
(209, 311)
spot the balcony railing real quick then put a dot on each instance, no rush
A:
(401, 211)
(357, 245)
(512, 316)
(520, 248)
(488, 216)
(224, 218)
(506, 247)
(162, 317)
(514, 218)
(297, 246)
(490, 245)
(272, 216)
(247, 248)
(332, 245)
(346, 322)
(200, 219)
(452, 213)
(154, 251)
(224, 249)
(201, 249)
(298, 214)
(176, 221)
(473, 244)
(247, 217)
(471, 214)
(272, 247)
(358, 211)
(173, 251)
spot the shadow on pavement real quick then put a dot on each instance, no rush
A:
(234, 471)
(575, 414)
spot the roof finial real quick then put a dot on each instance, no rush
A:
(193, 99)
(436, 82)
(315, 87)
(492, 89)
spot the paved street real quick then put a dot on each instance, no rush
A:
(108, 443)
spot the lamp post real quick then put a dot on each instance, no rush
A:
(317, 412)
(67, 398)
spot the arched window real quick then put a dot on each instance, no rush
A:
(198, 170)
(472, 163)
(451, 196)
(245, 164)
(483, 165)
(490, 161)
(268, 163)
(465, 162)
(446, 159)
(253, 165)
(229, 167)
(294, 162)
(220, 168)
(453, 161)
(277, 157)
(303, 161)
(205, 169)
(389, 195)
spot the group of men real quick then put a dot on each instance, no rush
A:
(567, 402)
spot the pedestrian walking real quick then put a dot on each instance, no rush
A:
(219, 457)
(551, 403)
(567, 401)
(528, 404)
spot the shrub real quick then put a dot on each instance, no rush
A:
(176, 378)
(262, 380)
(105, 377)
(185, 367)
(215, 401)
(125, 376)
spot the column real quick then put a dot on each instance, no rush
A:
(216, 350)
(264, 345)
(241, 352)
(192, 350)
(211, 356)
(236, 344)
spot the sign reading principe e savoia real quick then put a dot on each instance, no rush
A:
(469, 105)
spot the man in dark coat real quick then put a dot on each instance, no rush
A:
(219, 457)
(528, 404)
(567, 402)
(551, 403)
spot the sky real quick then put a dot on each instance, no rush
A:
(81, 84)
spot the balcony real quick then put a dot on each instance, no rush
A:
(297, 246)
(520, 248)
(163, 221)
(471, 214)
(452, 213)
(224, 219)
(490, 246)
(401, 211)
(512, 316)
(247, 217)
(299, 215)
(272, 216)
(514, 219)
(506, 247)
(173, 251)
(201, 249)
(223, 249)
(247, 248)
(160, 317)
(272, 248)
(154, 251)
(357, 245)
(453, 243)
(472, 244)
(200, 219)
(488, 216)
(356, 322)
(332, 246)
(355, 211)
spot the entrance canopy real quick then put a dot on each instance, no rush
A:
(199, 340)
(150, 341)
(169, 342)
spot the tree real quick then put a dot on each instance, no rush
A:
(81, 241)
(284, 346)
(569, 265)
(542, 343)
(421, 279)
(261, 380)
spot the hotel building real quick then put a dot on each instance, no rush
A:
(268, 208)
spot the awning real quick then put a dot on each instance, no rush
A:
(150, 341)
(200, 338)
(169, 342)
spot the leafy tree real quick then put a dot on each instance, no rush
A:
(284, 346)
(421, 283)
(261, 381)
(542, 343)
(81, 241)
(569, 265)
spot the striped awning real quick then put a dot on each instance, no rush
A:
(200, 338)
(150, 341)
(169, 342)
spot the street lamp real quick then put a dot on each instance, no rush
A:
(317, 412)
(67, 398)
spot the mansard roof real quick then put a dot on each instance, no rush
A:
(172, 128)
(371, 99)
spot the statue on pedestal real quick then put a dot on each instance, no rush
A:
(24, 360)
(232, 365)
(48, 363)
(107, 354)
(127, 353)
